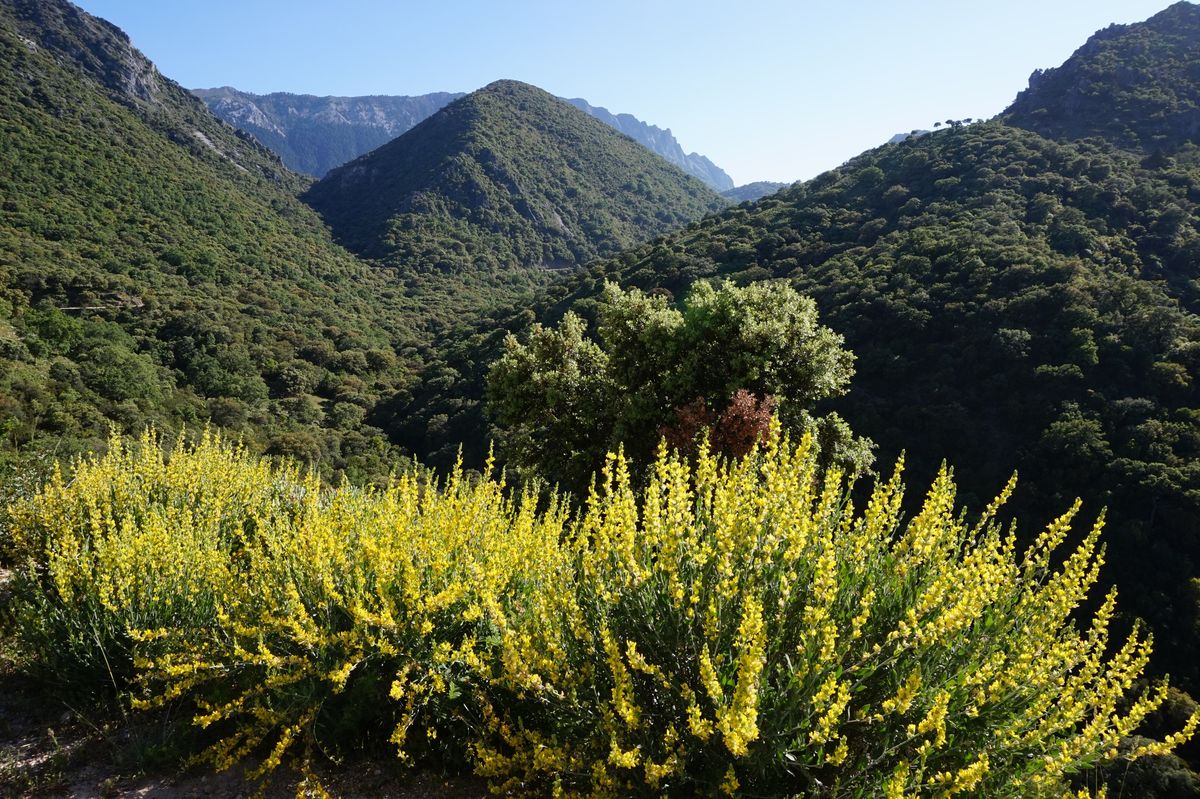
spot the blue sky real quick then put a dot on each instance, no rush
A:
(768, 89)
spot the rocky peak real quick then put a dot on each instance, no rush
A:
(96, 46)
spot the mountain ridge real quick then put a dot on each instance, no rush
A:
(660, 141)
(507, 176)
(293, 126)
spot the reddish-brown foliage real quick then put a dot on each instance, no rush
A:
(732, 433)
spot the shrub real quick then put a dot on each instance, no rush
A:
(743, 628)
(562, 400)
(285, 614)
(739, 628)
(132, 540)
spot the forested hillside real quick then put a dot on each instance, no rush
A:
(1137, 86)
(157, 268)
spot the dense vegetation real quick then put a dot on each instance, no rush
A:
(741, 628)
(1023, 292)
(1137, 86)
(718, 367)
(155, 267)
(507, 180)
(1022, 302)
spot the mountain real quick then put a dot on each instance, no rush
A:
(1137, 86)
(157, 267)
(508, 178)
(753, 191)
(316, 134)
(662, 142)
(100, 53)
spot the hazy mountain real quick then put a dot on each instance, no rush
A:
(1136, 85)
(316, 134)
(753, 191)
(506, 177)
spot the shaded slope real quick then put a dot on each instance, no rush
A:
(155, 267)
(506, 178)
(1136, 85)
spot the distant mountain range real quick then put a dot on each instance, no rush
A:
(316, 134)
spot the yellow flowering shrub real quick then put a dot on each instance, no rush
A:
(283, 612)
(742, 628)
(731, 629)
(367, 612)
(132, 540)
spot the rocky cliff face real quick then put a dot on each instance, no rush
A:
(662, 142)
(316, 134)
(101, 50)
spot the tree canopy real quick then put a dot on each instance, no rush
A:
(561, 400)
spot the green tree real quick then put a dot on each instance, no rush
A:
(560, 400)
